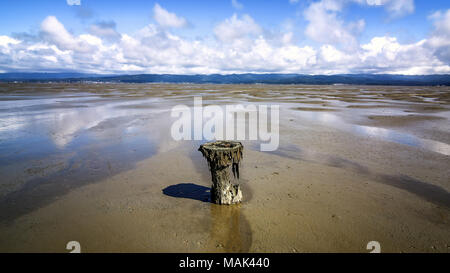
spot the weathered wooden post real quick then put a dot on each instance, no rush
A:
(220, 156)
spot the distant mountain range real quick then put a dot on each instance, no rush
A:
(364, 79)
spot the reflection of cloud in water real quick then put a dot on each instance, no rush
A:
(436, 146)
(57, 117)
(403, 138)
(382, 133)
(321, 117)
(11, 123)
(65, 125)
(372, 131)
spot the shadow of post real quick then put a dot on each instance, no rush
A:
(190, 191)
(229, 229)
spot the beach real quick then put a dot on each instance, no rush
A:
(96, 163)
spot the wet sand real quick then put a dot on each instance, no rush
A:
(95, 163)
(400, 121)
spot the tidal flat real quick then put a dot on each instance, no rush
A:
(96, 163)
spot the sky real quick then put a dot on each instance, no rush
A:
(409, 37)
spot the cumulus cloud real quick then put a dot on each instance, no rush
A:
(236, 4)
(440, 39)
(235, 28)
(395, 7)
(167, 19)
(56, 33)
(73, 2)
(326, 27)
(105, 29)
(241, 46)
(387, 54)
(5, 41)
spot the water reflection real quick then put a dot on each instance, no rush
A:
(381, 133)
(67, 139)
(229, 230)
(48, 147)
(427, 191)
(55, 175)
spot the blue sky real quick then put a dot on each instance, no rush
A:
(226, 36)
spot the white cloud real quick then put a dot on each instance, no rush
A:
(167, 19)
(326, 27)
(5, 41)
(386, 54)
(332, 55)
(105, 29)
(439, 41)
(236, 4)
(395, 7)
(235, 28)
(241, 46)
(73, 2)
(441, 22)
(56, 33)
(400, 7)
(6, 44)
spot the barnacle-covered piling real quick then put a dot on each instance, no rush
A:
(220, 156)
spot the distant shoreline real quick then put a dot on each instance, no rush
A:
(285, 79)
(191, 83)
